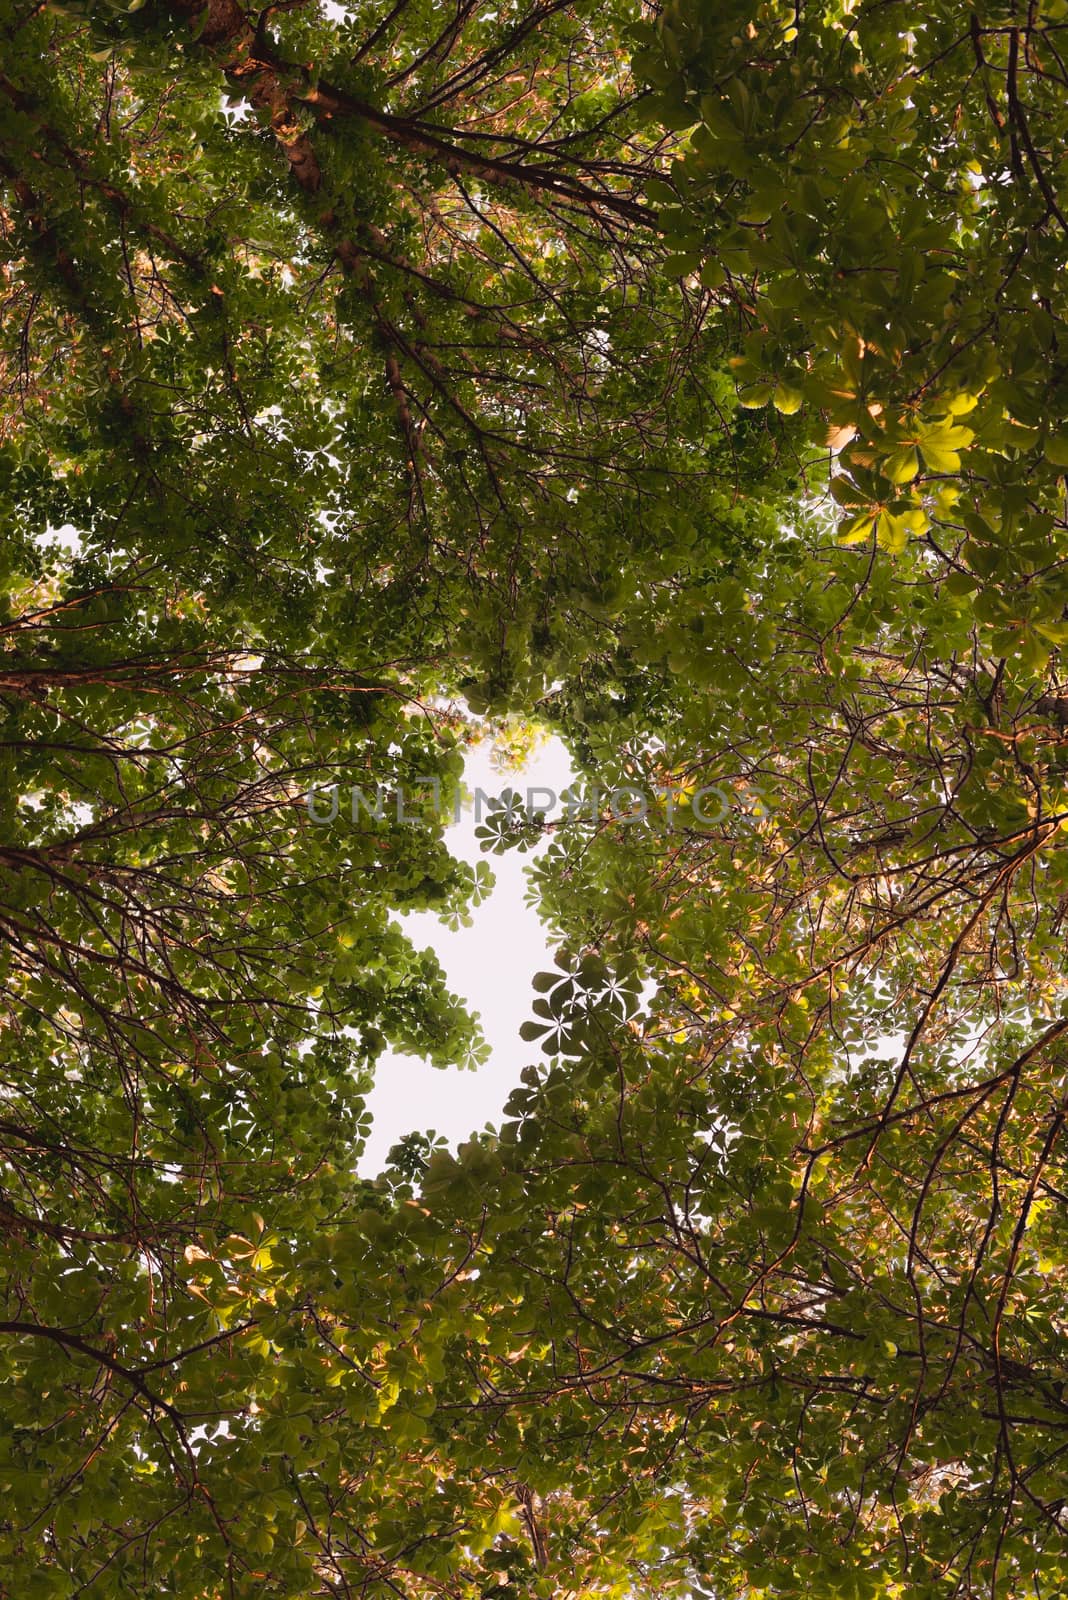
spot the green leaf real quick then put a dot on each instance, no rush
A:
(753, 396)
(1056, 448)
(902, 466)
(787, 400)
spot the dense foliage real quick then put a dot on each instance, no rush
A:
(692, 382)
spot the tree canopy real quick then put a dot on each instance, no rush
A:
(687, 381)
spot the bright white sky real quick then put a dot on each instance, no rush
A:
(489, 965)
